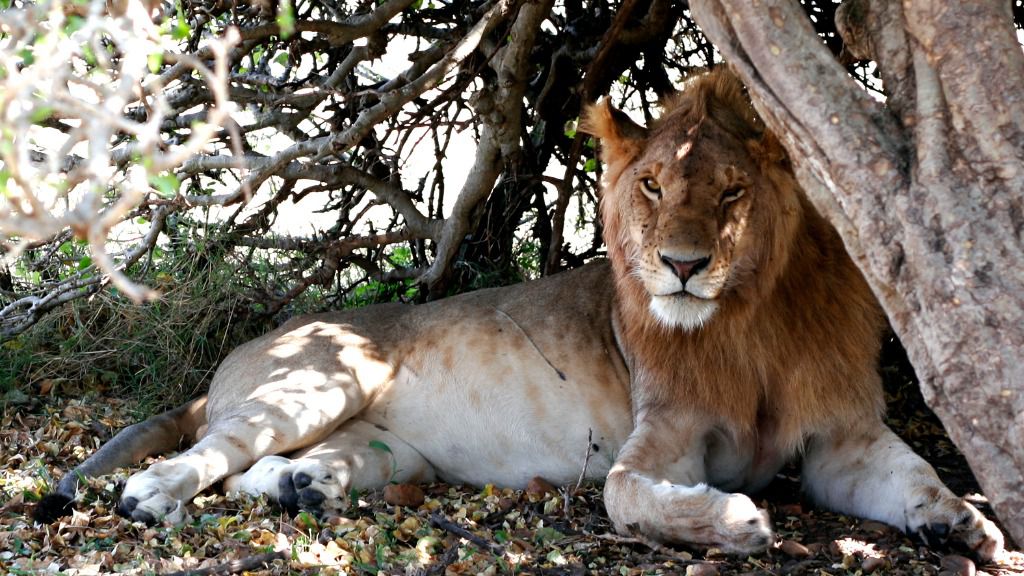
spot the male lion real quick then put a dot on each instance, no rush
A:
(730, 334)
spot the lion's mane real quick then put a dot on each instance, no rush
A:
(798, 314)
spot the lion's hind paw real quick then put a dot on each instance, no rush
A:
(313, 488)
(296, 485)
(151, 507)
(955, 521)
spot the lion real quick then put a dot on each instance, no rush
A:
(728, 334)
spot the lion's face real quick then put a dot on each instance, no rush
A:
(689, 208)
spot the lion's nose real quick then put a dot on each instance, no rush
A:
(685, 269)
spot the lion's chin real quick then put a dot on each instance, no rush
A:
(682, 310)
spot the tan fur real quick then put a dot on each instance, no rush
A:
(729, 334)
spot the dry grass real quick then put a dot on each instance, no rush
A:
(156, 354)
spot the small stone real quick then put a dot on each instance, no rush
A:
(702, 570)
(794, 549)
(539, 487)
(408, 495)
(873, 563)
(958, 565)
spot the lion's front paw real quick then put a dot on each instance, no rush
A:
(743, 527)
(310, 487)
(938, 519)
(144, 500)
(698, 515)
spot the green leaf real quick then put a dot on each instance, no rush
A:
(66, 249)
(286, 18)
(590, 165)
(84, 262)
(401, 256)
(88, 55)
(166, 184)
(306, 521)
(41, 114)
(181, 27)
(547, 534)
(378, 445)
(5, 175)
(27, 57)
(570, 128)
(155, 62)
(74, 24)
(281, 58)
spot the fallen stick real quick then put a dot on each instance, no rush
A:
(436, 568)
(235, 566)
(443, 523)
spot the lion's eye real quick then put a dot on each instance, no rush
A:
(731, 195)
(651, 187)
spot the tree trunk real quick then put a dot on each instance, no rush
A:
(927, 190)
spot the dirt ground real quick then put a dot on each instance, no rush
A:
(442, 530)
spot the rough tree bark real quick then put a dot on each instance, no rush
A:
(927, 190)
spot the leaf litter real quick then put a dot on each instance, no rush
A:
(441, 529)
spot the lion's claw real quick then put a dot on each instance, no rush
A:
(934, 535)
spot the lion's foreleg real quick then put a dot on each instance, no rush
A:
(657, 488)
(872, 473)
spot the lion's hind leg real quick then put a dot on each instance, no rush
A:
(160, 492)
(872, 473)
(319, 478)
(231, 444)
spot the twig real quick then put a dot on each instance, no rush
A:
(586, 459)
(637, 538)
(568, 494)
(235, 566)
(450, 555)
(439, 521)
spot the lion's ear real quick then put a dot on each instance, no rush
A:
(769, 150)
(620, 137)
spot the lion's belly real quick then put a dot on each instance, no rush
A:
(510, 413)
